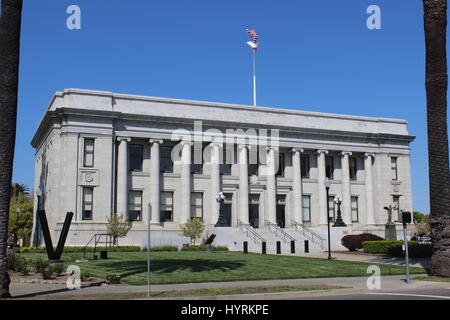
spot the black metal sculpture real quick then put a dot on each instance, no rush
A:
(54, 256)
(209, 241)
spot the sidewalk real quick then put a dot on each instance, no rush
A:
(374, 258)
(357, 284)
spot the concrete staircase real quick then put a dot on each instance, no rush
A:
(234, 238)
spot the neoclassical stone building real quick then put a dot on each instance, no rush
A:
(166, 160)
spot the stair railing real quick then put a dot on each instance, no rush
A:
(279, 232)
(309, 234)
(251, 233)
(97, 238)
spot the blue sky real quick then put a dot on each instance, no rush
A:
(314, 55)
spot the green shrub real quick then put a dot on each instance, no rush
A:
(57, 268)
(203, 248)
(39, 265)
(47, 272)
(382, 246)
(113, 279)
(414, 250)
(161, 248)
(18, 263)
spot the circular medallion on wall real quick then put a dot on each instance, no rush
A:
(88, 178)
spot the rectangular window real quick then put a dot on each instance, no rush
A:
(253, 162)
(88, 157)
(331, 212)
(135, 206)
(394, 168)
(88, 197)
(396, 209)
(196, 167)
(227, 160)
(167, 206)
(304, 159)
(353, 168)
(136, 157)
(306, 208)
(329, 167)
(166, 162)
(281, 165)
(197, 205)
(355, 215)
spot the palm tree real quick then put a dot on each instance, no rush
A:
(435, 25)
(10, 22)
(19, 190)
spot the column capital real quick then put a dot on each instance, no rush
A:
(268, 148)
(369, 154)
(346, 153)
(215, 144)
(152, 141)
(186, 143)
(322, 151)
(242, 146)
(293, 150)
(127, 139)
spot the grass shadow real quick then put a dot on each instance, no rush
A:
(166, 266)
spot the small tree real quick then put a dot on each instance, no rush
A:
(193, 228)
(118, 226)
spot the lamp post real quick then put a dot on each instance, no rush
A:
(220, 198)
(327, 184)
(339, 222)
(17, 225)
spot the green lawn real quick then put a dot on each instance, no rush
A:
(186, 267)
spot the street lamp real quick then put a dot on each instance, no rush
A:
(17, 224)
(327, 184)
(339, 222)
(220, 198)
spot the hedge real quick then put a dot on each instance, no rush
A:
(382, 246)
(414, 250)
(81, 249)
(161, 248)
(204, 248)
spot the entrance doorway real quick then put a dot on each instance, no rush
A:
(253, 210)
(281, 211)
(226, 209)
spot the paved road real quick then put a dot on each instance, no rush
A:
(414, 294)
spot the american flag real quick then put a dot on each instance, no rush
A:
(252, 33)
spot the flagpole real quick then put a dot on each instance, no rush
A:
(254, 77)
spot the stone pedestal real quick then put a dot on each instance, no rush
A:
(390, 233)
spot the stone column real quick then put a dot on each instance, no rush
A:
(155, 192)
(297, 190)
(185, 198)
(243, 184)
(370, 217)
(322, 192)
(346, 191)
(122, 177)
(271, 186)
(215, 182)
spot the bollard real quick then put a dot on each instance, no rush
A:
(264, 248)
(278, 247)
(245, 247)
(292, 246)
(306, 246)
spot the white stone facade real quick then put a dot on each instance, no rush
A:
(329, 144)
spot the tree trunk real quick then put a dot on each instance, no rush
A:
(10, 21)
(435, 24)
